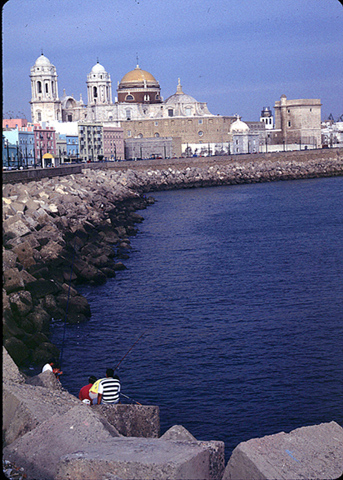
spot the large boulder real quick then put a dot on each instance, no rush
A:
(132, 420)
(307, 452)
(13, 280)
(54, 431)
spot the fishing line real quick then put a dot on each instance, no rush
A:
(130, 399)
(66, 314)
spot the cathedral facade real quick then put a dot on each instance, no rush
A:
(138, 98)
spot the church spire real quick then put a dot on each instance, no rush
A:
(179, 88)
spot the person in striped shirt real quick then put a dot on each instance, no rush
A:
(109, 388)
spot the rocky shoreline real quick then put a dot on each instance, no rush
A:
(64, 231)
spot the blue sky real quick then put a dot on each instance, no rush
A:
(236, 55)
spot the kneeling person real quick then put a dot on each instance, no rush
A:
(109, 388)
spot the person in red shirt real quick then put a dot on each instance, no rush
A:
(84, 392)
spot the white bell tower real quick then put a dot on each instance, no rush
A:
(45, 104)
(99, 86)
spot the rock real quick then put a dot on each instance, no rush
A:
(51, 436)
(21, 303)
(17, 350)
(15, 227)
(178, 432)
(10, 371)
(45, 379)
(41, 288)
(76, 305)
(51, 251)
(24, 252)
(132, 420)
(44, 352)
(9, 259)
(40, 319)
(13, 280)
(307, 452)
(138, 458)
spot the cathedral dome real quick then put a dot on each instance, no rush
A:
(138, 76)
(180, 97)
(239, 127)
(98, 68)
(42, 61)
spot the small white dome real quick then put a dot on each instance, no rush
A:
(42, 61)
(239, 127)
(98, 68)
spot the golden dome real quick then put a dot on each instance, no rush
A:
(138, 76)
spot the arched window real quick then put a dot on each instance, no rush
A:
(46, 88)
(39, 116)
(95, 92)
(39, 87)
(129, 97)
(157, 134)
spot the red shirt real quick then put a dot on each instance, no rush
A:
(84, 392)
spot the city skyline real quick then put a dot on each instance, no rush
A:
(237, 56)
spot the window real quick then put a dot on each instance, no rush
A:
(95, 92)
(170, 112)
(129, 97)
(200, 121)
(39, 87)
(188, 111)
(128, 114)
(129, 133)
(289, 123)
(200, 133)
(157, 134)
(46, 88)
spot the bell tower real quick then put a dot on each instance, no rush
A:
(45, 104)
(99, 86)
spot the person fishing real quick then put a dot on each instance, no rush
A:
(109, 389)
(84, 394)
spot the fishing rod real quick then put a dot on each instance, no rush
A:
(66, 312)
(130, 399)
(126, 354)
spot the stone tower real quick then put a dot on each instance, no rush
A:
(99, 86)
(45, 104)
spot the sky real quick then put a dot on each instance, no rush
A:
(237, 55)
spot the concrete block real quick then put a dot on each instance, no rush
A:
(77, 430)
(307, 452)
(27, 406)
(132, 420)
(178, 432)
(137, 459)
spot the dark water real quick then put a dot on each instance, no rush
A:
(239, 290)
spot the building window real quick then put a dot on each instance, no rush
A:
(46, 88)
(39, 87)
(156, 124)
(170, 112)
(129, 97)
(128, 114)
(200, 133)
(188, 111)
(129, 133)
(289, 123)
(200, 121)
(140, 135)
(157, 134)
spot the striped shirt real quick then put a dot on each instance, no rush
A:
(109, 388)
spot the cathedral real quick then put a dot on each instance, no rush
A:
(138, 98)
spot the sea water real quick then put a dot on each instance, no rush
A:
(238, 291)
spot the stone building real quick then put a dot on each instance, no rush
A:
(297, 122)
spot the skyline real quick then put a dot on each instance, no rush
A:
(235, 55)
